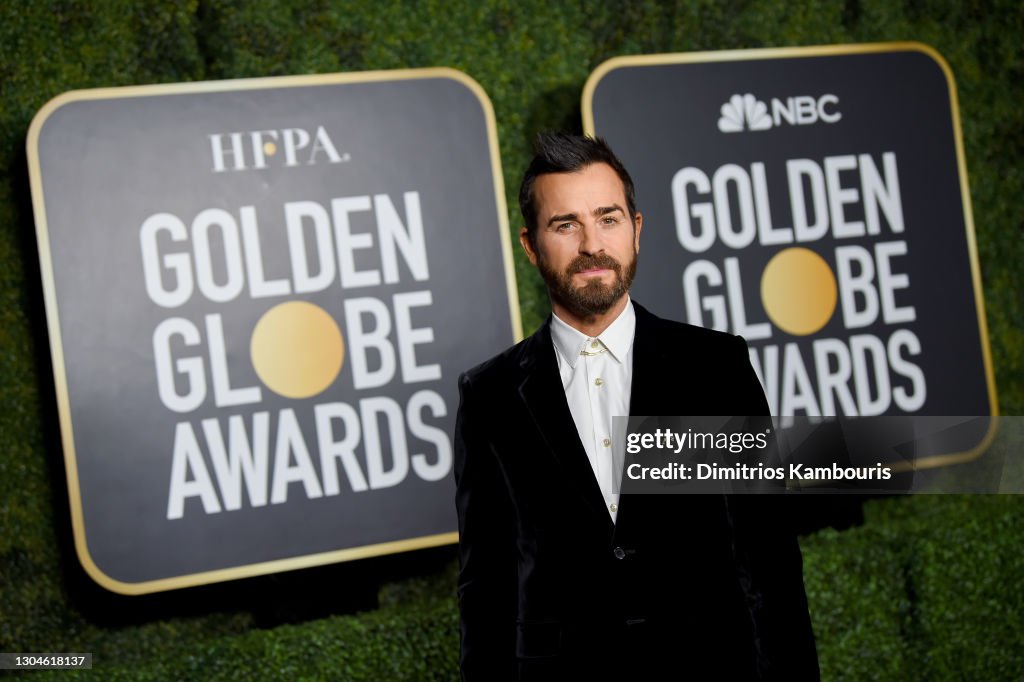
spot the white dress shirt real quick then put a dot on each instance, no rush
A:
(597, 375)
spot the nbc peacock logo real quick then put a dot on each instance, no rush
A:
(744, 111)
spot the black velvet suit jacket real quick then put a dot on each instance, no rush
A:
(680, 587)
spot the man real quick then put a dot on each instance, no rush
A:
(560, 577)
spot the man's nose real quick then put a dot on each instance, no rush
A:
(590, 239)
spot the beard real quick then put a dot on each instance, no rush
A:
(594, 297)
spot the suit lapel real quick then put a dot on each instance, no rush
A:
(542, 392)
(650, 369)
(653, 374)
(667, 380)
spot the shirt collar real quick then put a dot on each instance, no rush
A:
(569, 342)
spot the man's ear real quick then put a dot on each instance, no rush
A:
(638, 223)
(524, 240)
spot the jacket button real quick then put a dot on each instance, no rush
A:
(619, 553)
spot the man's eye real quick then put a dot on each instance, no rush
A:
(564, 227)
(610, 220)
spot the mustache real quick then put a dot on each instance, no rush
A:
(591, 262)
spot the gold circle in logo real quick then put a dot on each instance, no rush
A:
(798, 291)
(297, 349)
(269, 148)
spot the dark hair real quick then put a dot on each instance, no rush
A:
(564, 153)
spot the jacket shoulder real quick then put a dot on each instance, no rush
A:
(692, 336)
(499, 367)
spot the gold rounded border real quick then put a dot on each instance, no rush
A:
(587, 107)
(53, 318)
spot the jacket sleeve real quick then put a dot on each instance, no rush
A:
(487, 548)
(770, 564)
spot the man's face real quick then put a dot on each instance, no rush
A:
(586, 243)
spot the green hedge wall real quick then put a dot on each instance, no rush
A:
(927, 589)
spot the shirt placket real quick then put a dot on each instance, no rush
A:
(599, 411)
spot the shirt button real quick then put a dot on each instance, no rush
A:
(619, 553)
(594, 344)
(614, 507)
(607, 443)
(598, 381)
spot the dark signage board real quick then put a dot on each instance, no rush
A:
(259, 296)
(815, 201)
